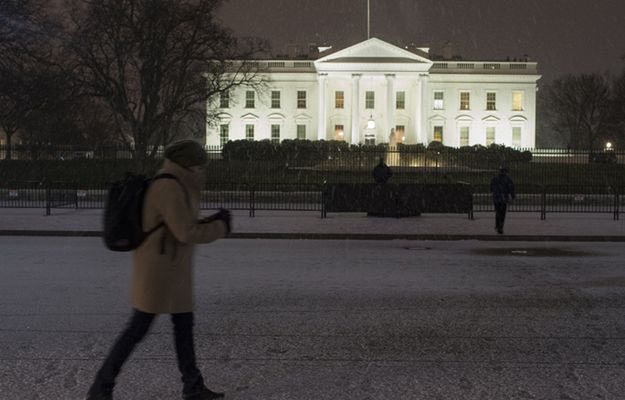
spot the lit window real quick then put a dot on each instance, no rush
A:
(491, 101)
(249, 132)
(339, 132)
(301, 132)
(275, 99)
(224, 100)
(516, 136)
(301, 99)
(490, 135)
(439, 100)
(339, 99)
(275, 134)
(249, 99)
(438, 134)
(517, 101)
(369, 100)
(465, 101)
(400, 101)
(464, 136)
(224, 131)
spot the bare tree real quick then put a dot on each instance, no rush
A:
(618, 97)
(580, 107)
(24, 44)
(20, 29)
(157, 62)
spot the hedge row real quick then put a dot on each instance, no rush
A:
(306, 151)
(97, 172)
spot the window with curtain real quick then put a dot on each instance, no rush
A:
(339, 99)
(249, 132)
(400, 101)
(275, 99)
(465, 101)
(250, 99)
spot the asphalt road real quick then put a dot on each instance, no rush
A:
(279, 319)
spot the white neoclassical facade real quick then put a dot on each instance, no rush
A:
(375, 92)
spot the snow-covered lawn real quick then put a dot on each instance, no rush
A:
(309, 319)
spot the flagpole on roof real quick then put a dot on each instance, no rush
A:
(368, 19)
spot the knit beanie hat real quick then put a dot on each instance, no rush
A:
(186, 153)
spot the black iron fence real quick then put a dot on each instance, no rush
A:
(538, 199)
(547, 180)
(352, 164)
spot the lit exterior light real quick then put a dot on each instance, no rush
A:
(371, 123)
(608, 146)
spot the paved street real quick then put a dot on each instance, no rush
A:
(306, 319)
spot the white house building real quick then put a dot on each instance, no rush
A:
(375, 92)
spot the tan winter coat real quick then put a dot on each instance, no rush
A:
(162, 283)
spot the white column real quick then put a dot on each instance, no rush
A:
(321, 111)
(419, 137)
(355, 134)
(390, 105)
(421, 124)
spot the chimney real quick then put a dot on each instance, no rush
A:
(313, 51)
(448, 51)
(292, 51)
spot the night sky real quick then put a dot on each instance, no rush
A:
(564, 36)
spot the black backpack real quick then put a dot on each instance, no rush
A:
(123, 213)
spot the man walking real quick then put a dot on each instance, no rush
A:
(162, 274)
(502, 188)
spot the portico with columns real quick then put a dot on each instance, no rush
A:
(374, 72)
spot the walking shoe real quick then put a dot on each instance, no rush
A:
(500, 231)
(99, 396)
(205, 394)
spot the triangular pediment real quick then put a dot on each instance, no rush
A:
(373, 50)
(249, 117)
(491, 118)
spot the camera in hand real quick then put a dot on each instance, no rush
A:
(221, 215)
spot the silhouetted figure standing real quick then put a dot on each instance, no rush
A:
(502, 188)
(382, 172)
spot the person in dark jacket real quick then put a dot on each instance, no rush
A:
(382, 172)
(162, 277)
(502, 189)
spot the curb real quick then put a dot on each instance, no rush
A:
(353, 236)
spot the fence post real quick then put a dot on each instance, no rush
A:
(252, 200)
(471, 217)
(616, 206)
(75, 191)
(543, 204)
(48, 197)
(323, 202)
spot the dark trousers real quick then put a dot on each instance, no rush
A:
(500, 215)
(135, 331)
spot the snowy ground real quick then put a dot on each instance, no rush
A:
(290, 222)
(329, 320)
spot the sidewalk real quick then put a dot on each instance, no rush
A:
(309, 225)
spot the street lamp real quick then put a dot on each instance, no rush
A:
(608, 146)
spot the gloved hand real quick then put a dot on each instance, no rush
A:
(221, 215)
(225, 216)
